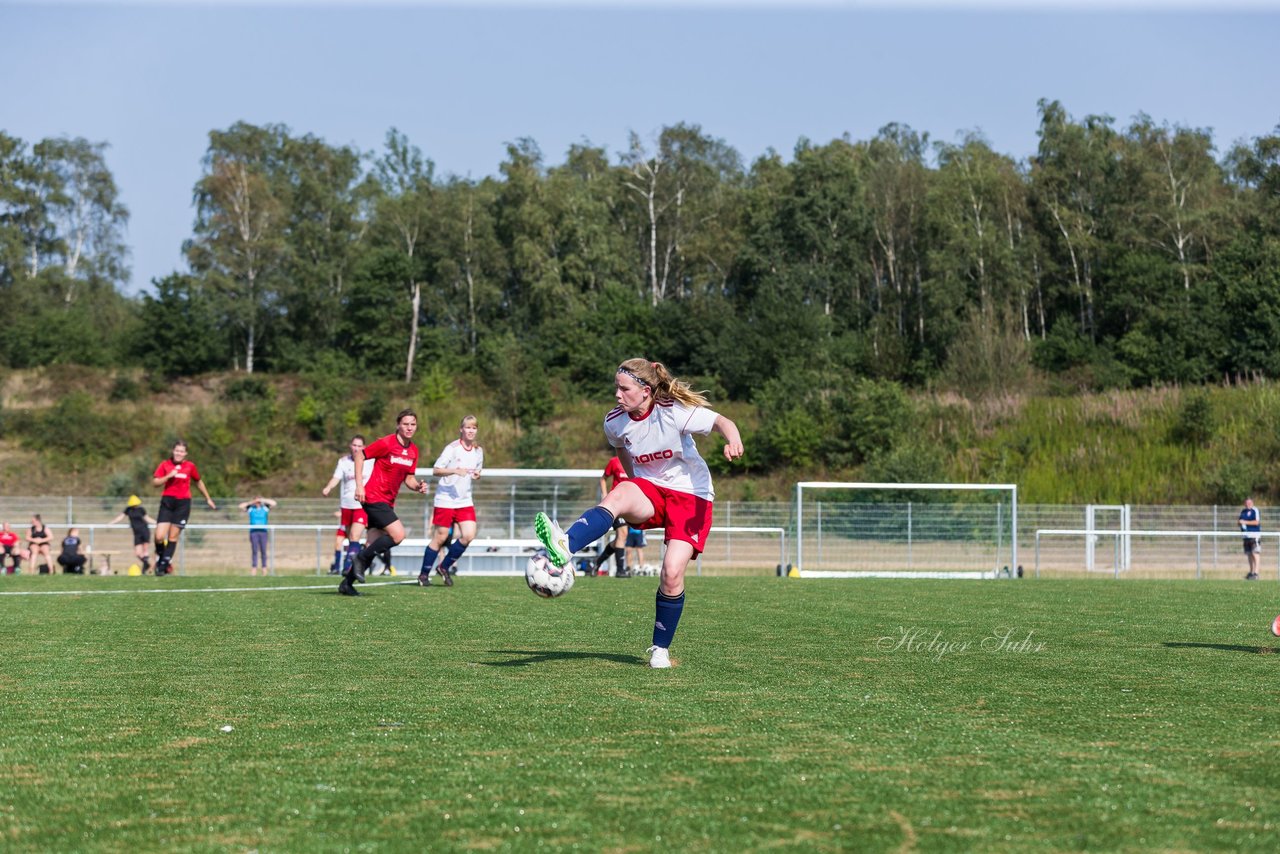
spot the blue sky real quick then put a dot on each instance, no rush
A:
(153, 78)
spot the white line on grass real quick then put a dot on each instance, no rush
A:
(189, 589)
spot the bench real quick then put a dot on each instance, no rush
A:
(94, 556)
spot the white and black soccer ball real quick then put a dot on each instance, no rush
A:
(545, 578)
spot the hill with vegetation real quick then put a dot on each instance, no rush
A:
(87, 431)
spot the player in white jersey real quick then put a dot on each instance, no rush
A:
(652, 429)
(351, 516)
(457, 468)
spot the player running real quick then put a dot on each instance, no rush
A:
(393, 459)
(351, 516)
(459, 465)
(176, 475)
(652, 428)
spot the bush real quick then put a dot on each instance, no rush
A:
(538, 447)
(1194, 426)
(125, 388)
(248, 389)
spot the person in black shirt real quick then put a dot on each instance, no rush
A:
(139, 522)
(72, 560)
(40, 544)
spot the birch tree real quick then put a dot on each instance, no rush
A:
(407, 181)
(239, 234)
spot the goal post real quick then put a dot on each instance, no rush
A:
(917, 530)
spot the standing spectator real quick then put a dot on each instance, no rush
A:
(176, 475)
(351, 516)
(635, 548)
(1251, 524)
(459, 464)
(617, 545)
(9, 549)
(40, 543)
(258, 509)
(394, 459)
(72, 558)
(138, 522)
(652, 428)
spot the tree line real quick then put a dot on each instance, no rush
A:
(1113, 257)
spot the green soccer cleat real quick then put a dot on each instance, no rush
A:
(554, 540)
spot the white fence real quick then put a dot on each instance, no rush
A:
(302, 533)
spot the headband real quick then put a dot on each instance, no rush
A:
(634, 377)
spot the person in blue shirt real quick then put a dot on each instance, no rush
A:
(1251, 524)
(258, 509)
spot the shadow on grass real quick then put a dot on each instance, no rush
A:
(1225, 647)
(531, 656)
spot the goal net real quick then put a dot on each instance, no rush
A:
(914, 530)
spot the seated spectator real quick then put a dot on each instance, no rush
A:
(9, 547)
(40, 544)
(72, 559)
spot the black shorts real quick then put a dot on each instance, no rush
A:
(1251, 546)
(175, 511)
(141, 535)
(619, 522)
(380, 515)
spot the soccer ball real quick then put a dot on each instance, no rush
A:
(545, 578)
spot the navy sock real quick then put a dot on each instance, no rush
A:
(337, 559)
(456, 548)
(666, 617)
(383, 544)
(353, 549)
(428, 559)
(590, 527)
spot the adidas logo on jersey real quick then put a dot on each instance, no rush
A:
(656, 455)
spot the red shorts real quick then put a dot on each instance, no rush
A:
(682, 516)
(349, 516)
(445, 517)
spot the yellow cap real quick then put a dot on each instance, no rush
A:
(134, 501)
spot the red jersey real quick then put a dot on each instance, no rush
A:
(8, 539)
(180, 485)
(392, 463)
(615, 470)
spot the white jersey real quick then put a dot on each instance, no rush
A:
(454, 490)
(345, 474)
(661, 445)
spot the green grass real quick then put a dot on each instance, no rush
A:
(1138, 716)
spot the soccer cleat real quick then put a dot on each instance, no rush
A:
(444, 573)
(358, 567)
(554, 540)
(1253, 576)
(659, 657)
(346, 588)
(424, 579)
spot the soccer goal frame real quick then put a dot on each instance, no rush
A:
(1011, 530)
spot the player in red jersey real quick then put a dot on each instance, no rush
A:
(176, 475)
(618, 546)
(394, 459)
(652, 428)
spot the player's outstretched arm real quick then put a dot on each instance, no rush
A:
(733, 440)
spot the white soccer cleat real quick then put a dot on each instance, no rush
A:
(554, 540)
(659, 657)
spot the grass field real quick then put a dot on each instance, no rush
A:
(869, 715)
